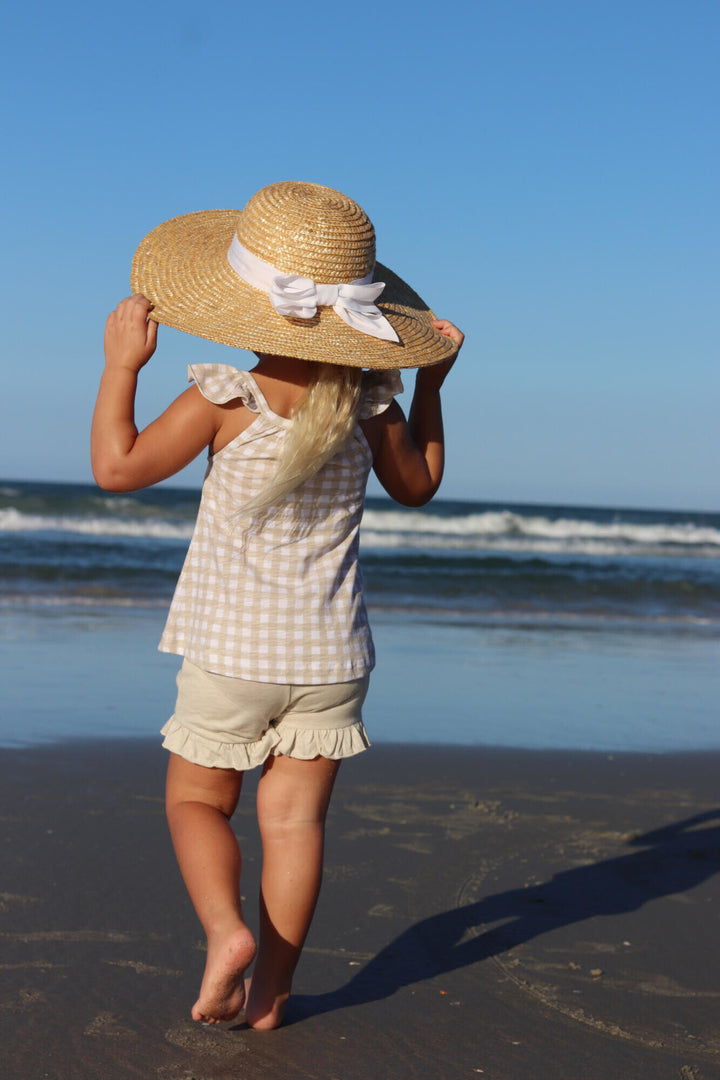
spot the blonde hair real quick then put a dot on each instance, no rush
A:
(322, 422)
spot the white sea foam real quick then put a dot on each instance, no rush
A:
(508, 531)
(13, 521)
(527, 546)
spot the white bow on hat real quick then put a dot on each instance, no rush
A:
(299, 297)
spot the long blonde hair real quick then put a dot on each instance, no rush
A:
(322, 421)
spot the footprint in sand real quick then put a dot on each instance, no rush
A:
(212, 1042)
(26, 999)
(107, 1025)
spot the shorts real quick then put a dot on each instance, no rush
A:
(227, 723)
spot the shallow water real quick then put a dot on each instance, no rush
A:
(72, 672)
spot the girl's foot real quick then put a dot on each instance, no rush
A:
(263, 1012)
(222, 993)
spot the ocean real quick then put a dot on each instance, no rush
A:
(502, 624)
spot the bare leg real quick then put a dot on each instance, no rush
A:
(293, 798)
(200, 803)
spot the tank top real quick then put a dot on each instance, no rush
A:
(278, 601)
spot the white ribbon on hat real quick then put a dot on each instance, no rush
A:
(300, 297)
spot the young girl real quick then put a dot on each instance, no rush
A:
(268, 612)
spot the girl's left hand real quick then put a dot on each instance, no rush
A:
(432, 377)
(448, 329)
(130, 336)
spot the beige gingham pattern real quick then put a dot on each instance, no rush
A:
(281, 603)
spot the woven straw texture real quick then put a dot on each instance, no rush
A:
(299, 228)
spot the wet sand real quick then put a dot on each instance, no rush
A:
(513, 915)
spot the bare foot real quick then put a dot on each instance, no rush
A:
(264, 1012)
(222, 993)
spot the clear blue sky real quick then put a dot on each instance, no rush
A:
(544, 173)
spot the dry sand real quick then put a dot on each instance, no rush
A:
(500, 914)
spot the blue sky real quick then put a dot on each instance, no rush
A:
(543, 173)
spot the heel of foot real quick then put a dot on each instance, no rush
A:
(222, 994)
(263, 1018)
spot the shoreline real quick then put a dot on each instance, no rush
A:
(498, 912)
(522, 617)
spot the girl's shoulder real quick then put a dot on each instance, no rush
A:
(239, 401)
(221, 383)
(379, 389)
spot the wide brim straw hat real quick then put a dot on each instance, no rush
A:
(301, 229)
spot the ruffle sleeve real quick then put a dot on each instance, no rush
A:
(221, 383)
(379, 389)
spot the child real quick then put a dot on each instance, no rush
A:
(268, 612)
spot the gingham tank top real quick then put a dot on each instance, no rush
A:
(280, 602)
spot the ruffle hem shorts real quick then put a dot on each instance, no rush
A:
(227, 723)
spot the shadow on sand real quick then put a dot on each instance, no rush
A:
(674, 859)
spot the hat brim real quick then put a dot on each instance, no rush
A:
(183, 270)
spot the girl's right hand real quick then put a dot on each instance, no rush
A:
(130, 336)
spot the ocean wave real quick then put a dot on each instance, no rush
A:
(511, 531)
(14, 521)
(530, 546)
(480, 530)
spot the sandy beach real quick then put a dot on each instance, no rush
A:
(497, 913)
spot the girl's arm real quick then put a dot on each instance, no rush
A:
(124, 459)
(409, 455)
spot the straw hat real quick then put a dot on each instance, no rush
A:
(288, 228)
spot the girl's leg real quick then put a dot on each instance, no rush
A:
(200, 803)
(293, 798)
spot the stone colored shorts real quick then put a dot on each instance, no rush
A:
(221, 722)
